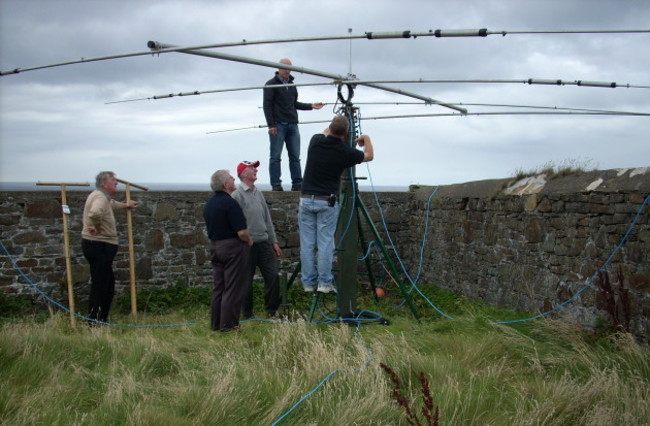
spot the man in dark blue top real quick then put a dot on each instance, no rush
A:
(328, 156)
(229, 249)
(280, 110)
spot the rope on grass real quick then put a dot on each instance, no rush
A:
(78, 315)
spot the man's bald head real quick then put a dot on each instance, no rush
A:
(283, 72)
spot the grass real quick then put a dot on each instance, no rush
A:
(567, 167)
(547, 372)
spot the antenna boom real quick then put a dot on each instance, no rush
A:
(154, 45)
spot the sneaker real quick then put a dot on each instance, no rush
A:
(297, 187)
(326, 288)
(309, 289)
(277, 188)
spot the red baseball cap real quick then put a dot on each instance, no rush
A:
(241, 166)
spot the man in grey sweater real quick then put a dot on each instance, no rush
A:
(265, 250)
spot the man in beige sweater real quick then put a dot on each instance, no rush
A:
(99, 243)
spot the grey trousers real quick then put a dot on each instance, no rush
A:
(263, 257)
(230, 269)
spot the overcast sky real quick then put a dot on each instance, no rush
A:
(56, 125)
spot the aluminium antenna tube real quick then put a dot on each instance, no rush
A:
(154, 45)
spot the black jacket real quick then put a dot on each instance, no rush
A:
(281, 103)
(327, 159)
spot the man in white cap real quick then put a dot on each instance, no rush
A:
(265, 251)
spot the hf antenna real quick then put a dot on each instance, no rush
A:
(532, 110)
(157, 46)
(350, 67)
(351, 80)
(483, 32)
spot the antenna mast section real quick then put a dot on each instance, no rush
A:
(350, 229)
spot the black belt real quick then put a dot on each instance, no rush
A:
(315, 197)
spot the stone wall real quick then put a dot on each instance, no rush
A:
(529, 245)
(539, 247)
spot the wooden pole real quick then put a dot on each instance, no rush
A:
(66, 241)
(129, 223)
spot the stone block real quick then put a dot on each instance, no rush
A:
(557, 206)
(535, 230)
(202, 256)
(180, 240)
(530, 203)
(9, 219)
(44, 209)
(548, 245)
(80, 273)
(601, 209)
(154, 240)
(143, 268)
(640, 283)
(547, 206)
(644, 235)
(27, 263)
(393, 215)
(278, 215)
(467, 232)
(626, 208)
(574, 207)
(165, 211)
(30, 237)
(292, 240)
(636, 197)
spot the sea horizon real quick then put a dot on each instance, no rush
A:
(169, 186)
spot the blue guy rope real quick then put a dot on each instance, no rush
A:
(558, 307)
(64, 308)
(593, 277)
(424, 240)
(332, 373)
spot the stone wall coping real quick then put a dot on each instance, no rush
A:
(635, 180)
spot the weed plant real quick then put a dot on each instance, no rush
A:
(547, 372)
(552, 170)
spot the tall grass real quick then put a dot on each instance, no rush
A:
(552, 170)
(545, 373)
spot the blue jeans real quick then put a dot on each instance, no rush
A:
(286, 133)
(317, 221)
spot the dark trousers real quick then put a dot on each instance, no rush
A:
(100, 256)
(230, 263)
(262, 256)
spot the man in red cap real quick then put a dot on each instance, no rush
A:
(265, 250)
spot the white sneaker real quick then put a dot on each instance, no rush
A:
(309, 289)
(326, 288)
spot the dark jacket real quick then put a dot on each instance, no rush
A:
(327, 158)
(281, 103)
(223, 217)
